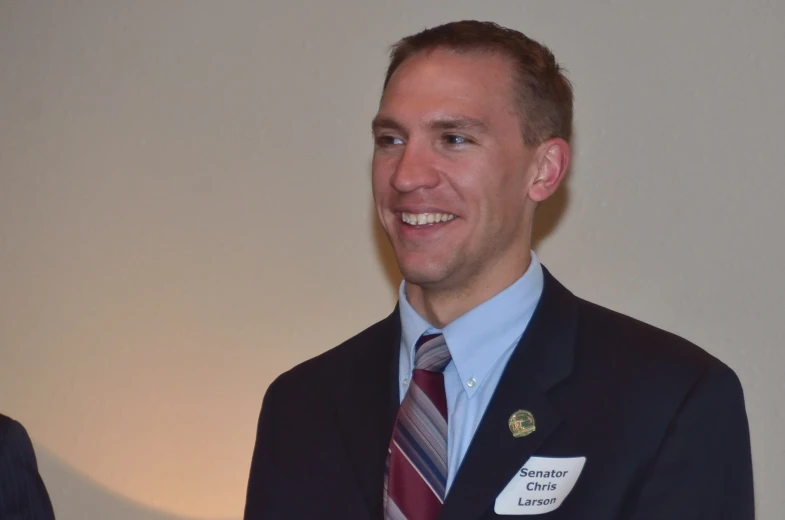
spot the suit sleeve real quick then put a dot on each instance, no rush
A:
(260, 501)
(23, 495)
(704, 466)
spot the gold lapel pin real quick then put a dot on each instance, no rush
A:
(521, 423)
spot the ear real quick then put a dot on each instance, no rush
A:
(552, 159)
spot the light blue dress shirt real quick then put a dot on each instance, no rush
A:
(480, 342)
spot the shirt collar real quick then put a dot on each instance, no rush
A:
(479, 338)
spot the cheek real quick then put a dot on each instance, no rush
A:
(383, 195)
(381, 171)
(378, 182)
(482, 186)
(498, 198)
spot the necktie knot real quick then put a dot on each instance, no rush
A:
(431, 353)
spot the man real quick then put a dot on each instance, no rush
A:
(22, 492)
(491, 390)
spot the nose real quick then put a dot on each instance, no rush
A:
(415, 169)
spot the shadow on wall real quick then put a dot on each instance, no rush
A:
(77, 497)
(549, 214)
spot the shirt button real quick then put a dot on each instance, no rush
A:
(405, 382)
(471, 382)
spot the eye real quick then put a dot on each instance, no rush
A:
(454, 140)
(385, 141)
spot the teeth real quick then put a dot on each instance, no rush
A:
(420, 219)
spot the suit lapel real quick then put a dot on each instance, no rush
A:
(543, 357)
(366, 406)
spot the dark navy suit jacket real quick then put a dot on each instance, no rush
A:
(22, 492)
(662, 425)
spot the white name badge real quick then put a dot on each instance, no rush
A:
(540, 486)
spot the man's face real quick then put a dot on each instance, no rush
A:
(450, 170)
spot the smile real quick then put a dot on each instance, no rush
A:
(421, 219)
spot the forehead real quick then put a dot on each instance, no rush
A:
(443, 83)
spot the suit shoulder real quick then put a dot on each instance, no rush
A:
(630, 362)
(9, 426)
(620, 339)
(353, 354)
(5, 421)
(13, 433)
(5, 425)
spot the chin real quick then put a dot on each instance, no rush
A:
(426, 269)
(430, 277)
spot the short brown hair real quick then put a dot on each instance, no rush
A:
(543, 93)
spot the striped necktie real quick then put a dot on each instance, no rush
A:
(416, 476)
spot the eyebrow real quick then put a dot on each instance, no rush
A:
(445, 123)
(458, 123)
(381, 122)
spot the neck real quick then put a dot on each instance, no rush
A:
(440, 306)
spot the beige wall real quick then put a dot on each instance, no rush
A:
(185, 213)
